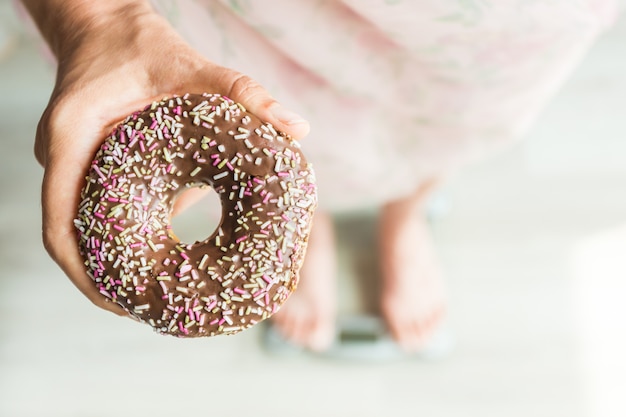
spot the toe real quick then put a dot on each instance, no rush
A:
(428, 327)
(300, 331)
(322, 335)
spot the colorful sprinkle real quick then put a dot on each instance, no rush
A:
(221, 285)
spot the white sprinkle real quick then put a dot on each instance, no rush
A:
(220, 175)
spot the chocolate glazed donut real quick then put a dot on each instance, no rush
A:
(248, 267)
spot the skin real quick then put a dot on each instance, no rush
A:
(413, 298)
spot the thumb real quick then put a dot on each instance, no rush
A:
(257, 100)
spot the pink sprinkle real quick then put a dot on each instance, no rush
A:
(118, 228)
(214, 322)
(184, 256)
(239, 291)
(241, 239)
(185, 268)
(213, 304)
(222, 321)
(280, 255)
(100, 174)
(267, 279)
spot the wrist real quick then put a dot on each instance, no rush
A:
(64, 24)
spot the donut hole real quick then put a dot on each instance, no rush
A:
(200, 216)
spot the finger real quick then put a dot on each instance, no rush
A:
(65, 167)
(258, 101)
(59, 235)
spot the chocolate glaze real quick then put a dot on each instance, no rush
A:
(247, 268)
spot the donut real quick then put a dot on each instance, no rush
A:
(248, 267)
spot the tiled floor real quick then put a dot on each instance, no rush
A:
(533, 247)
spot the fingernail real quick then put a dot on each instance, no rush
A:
(286, 116)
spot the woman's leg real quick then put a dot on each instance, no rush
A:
(308, 318)
(413, 299)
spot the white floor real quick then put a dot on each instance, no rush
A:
(533, 246)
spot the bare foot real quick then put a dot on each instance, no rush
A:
(308, 317)
(413, 296)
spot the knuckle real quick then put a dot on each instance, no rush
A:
(50, 243)
(50, 123)
(244, 87)
(54, 237)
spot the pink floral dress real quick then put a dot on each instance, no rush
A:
(398, 91)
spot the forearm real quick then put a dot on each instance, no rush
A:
(63, 23)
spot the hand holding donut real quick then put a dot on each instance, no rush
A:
(115, 57)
